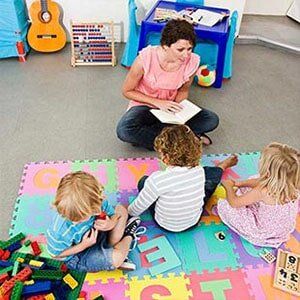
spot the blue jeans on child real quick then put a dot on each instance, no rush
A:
(140, 127)
(213, 177)
(96, 258)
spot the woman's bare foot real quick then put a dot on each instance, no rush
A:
(228, 162)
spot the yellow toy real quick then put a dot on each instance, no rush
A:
(205, 76)
(70, 281)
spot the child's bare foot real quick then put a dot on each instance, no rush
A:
(228, 162)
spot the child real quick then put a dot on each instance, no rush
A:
(176, 195)
(264, 210)
(86, 244)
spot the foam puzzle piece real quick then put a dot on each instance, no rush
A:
(104, 170)
(219, 285)
(131, 170)
(164, 251)
(169, 288)
(37, 190)
(260, 283)
(217, 288)
(200, 250)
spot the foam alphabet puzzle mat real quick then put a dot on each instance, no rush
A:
(194, 264)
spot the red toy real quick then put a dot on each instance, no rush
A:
(102, 216)
(64, 268)
(5, 255)
(21, 51)
(7, 286)
(35, 248)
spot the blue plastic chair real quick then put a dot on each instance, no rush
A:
(207, 50)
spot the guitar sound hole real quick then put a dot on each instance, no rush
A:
(46, 17)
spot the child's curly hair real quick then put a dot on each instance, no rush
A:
(179, 145)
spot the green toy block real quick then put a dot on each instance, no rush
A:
(79, 277)
(16, 268)
(164, 251)
(6, 270)
(17, 238)
(17, 291)
(47, 275)
(27, 243)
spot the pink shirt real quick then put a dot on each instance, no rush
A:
(161, 84)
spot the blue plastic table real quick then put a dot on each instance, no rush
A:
(218, 33)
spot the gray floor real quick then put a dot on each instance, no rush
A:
(277, 28)
(51, 111)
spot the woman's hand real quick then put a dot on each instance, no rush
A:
(105, 225)
(168, 106)
(89, 239)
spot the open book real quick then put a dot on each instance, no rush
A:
(205, 17)
(188, 111)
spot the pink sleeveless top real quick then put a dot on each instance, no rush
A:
(158, 83)
(259, 223)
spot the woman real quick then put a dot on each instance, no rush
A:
(160, 77)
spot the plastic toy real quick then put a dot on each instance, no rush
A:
(36, 263)
(17, 291)
(6, 255)
(27, 243)
(49, 297)
(70, 281)
(287, 272)
(42, 287)
(64, 268)
(3, 277)
(47, 275)
(205, 76)
(267, 256)
(7, 286)
(35, 248)
(15, 268)
(101, 216)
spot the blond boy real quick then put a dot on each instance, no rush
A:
(75, 235)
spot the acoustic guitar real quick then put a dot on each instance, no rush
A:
(46, 33)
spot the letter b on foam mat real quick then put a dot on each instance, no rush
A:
(164, 251)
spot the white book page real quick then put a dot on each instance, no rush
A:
(166, 117)
(206, 17)
(188, 111)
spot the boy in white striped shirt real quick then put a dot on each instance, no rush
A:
(176, 196)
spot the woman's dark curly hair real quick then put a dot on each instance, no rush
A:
(179, 145)
(177, 30)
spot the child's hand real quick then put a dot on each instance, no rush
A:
(105, 225)
(90, 238)
(228, 183)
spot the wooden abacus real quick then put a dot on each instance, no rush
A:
(287, 272)
(92, 44)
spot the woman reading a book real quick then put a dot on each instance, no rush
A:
(160, 78)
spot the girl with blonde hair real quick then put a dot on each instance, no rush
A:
(263, 210)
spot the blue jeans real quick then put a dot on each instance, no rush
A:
(213, 177)
(140, 127)
(95, 258)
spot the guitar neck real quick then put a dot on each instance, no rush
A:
(44, 5)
